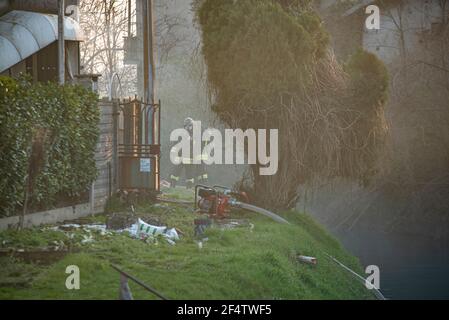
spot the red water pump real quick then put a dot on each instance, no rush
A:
(217, 201)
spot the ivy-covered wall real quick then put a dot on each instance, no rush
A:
(49, 132)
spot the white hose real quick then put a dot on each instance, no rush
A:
(261, 211)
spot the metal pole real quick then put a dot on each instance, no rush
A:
(149, 54)
(149, 68)
(61, 42)
(129, 19)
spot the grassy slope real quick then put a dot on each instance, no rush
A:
(234, 264)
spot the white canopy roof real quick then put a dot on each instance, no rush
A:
(24, 33)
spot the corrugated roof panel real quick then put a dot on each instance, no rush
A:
(72, 29)
(25, 33)
(36, 24)
(9, 54)
(20, 37)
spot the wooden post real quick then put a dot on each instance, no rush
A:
(92, 198)
(115, 142)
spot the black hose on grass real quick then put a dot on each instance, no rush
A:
(140, 283)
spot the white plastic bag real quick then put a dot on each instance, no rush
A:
(145, 230)
(171, 234)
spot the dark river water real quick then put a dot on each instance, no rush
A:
(413, 264)
(411, 267)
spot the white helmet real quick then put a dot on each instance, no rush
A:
(188, 124)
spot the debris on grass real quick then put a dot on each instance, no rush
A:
(88, 234)
(120, 221)
(201, 242)
(145, 231)
(200, 227)
(308, 260)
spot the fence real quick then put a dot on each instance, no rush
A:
(104, 186)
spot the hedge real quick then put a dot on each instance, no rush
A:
(69, 117)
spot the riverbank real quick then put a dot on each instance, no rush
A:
(253, 259)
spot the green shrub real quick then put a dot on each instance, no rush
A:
(369, 79)
(70, 116)
(255, 50)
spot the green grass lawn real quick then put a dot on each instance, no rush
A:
(241, 263)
